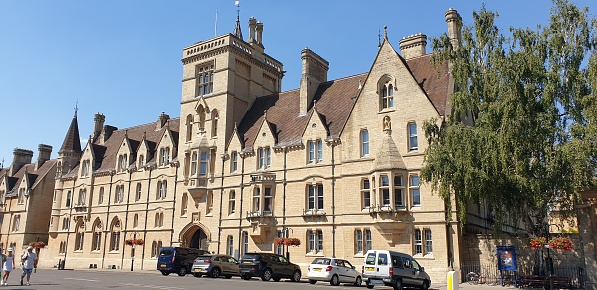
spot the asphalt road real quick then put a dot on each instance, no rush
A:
(119, 279)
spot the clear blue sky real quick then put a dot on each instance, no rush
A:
(122, 58)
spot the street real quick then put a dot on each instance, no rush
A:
(117, 279)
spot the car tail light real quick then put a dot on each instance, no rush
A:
(207, 261)
(362, 269)
(329, 268)
(309, 268)
(173, 259)
(391, 271)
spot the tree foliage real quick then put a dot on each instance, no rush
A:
(522, 133)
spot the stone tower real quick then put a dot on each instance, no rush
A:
(70, 152)
(222, 77)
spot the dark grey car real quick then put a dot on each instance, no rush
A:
(215, 266)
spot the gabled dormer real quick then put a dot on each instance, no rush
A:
(263, 144)
(234, 148)
(166, 148)
(143, 153)
(314, 135)
(124, 155)
(87, 161)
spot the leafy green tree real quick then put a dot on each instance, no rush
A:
(522, 135)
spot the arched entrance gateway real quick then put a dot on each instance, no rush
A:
(195, 236)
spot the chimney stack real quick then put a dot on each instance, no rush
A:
(315, 72)
(162, 119)
(99, 120)
(19, 159)
(259, 31)
(413, 45)
(454, 27)
(43, 154)
(252, 25)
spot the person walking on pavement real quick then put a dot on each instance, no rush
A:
(9, 264)
(29, 262)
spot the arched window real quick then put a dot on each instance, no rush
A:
(413, 143)
(364, 143)
(230, 243)
(214, 123)
(245, 237)
(183, 207)
(162, 189)
(161, 219)
(141, 161)
(80, 237)
(119, 194)
(100, 198)
(386, 95)
(115, 235)
(164, 156)
(136, 221)
(231, 202)
(194, 164)
(15, 223)
(138, 192)
(157, 220)
(154, 249)
(97, 236)
(209, 202)
(189, 127)
(82, 196)
(122, 162)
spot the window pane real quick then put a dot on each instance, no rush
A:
(320, 196)
(311, 202)
(418, 243)
(368, 243)
(428, 242)
(359, 241)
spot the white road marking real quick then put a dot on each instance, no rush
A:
(80, 279)
(150, 286)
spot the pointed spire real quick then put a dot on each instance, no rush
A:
(265, 114)
(72, 141)
(237, 32)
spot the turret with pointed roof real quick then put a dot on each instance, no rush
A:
(70, 152)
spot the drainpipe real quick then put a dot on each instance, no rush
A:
(10, 221)
(70, 214)
(333, 204)
(240, 219)
(146, 213)
(126, 218)
(448, 239)
(174, 202)
(221, 199)
(284, 228)
(106, 231)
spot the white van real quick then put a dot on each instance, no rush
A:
(395, 269)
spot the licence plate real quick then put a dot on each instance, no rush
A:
(199, 270)
(163, 265)
(369, 268)
(316, 269)
(246, 262)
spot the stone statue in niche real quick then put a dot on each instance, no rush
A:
(387, 124)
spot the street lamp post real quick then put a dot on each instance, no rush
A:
(548, 260)
(288, 246)
(133, 251)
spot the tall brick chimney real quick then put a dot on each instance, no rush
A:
(315, 72)
(19, 159)
(413, 45)
(99, 120)
(43, 154)
(162, 119)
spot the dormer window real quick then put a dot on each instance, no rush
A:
(265, 158)
(122, 163)
(164, 156)
(85, 168)
(386, 93)
(141, 161)
(204, 76)
(21, 198)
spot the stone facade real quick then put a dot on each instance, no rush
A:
(334, 163)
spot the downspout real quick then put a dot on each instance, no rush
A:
(221, 199)
(173, 203)
(106, 231)
(284, 228)
(126, 218)
(70, 214)
(448, 239)
(10, 221)
(146, 213)
(333, 203)
(240, 219)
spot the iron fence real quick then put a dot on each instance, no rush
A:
(489, 274)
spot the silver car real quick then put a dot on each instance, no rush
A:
(215, 266)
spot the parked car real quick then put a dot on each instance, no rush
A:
(268, 266)
(177, 260)
(393, 269)
(215, 266)
(333, 270)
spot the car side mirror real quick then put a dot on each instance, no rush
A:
(352, 267)
(422, 269)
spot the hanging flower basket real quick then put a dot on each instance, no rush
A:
(287, 242)
(38, 245)
(561, 244)
(537, 243)
(131, 242)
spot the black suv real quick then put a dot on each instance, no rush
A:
(268, 266)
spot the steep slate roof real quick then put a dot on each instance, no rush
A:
(335, 100)
(34, 176)
(433, 80)
(105, 155)
(72, 142)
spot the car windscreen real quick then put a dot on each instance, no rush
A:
(250, 257)
(321, 261)
(203, 258)
(167, 252)
(370, 259)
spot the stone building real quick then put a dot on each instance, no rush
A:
(26, 190)
(334, 163)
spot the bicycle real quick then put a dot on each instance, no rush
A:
(472, 278)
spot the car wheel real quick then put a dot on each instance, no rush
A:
(165, 273)
(397, 285)
(335, 281)
(425, 285)
(359, 281)
(267, 274)
(215, 273)
(245, 277)
(228, 276)
(312, 281)
(182, 271)
(197, 275)
(296, 276)
(276, 279)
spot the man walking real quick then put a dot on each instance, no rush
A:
(29, 262)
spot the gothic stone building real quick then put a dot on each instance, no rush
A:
(26, 190)
(334, 163)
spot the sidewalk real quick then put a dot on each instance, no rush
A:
(467, 286)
